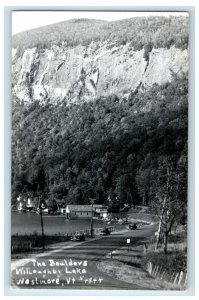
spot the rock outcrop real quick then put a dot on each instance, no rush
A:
(82, 73)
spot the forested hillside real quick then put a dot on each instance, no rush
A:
(150, 32)
(114, 150)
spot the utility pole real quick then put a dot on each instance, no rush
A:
(92, 202)
(42, 224)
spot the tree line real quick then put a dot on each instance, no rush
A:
(140, 32)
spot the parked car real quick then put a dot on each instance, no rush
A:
(133, 226)
(105, 231)
(23, 210)
(78, 238)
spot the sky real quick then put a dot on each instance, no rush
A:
(26, 20)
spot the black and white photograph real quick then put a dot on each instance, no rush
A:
(99, 150)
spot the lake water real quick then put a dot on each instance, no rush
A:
(28, 223)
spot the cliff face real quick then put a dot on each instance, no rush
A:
(82, 73)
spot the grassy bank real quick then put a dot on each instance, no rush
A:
(33, 243)
(151, 268)
(141, 214)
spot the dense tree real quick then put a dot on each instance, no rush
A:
(139, 32)
(170, 202)
(104, 150)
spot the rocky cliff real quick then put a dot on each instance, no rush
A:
(82, 73)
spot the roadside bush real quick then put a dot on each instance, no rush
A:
(18, 241)
(171, 262)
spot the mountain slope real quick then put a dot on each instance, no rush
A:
(104, 116)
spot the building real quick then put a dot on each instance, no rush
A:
(101, 211)
(83, 211)
(25, 204)
(77, 211)
(30, 204)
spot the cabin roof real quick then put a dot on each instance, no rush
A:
(87, 208)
